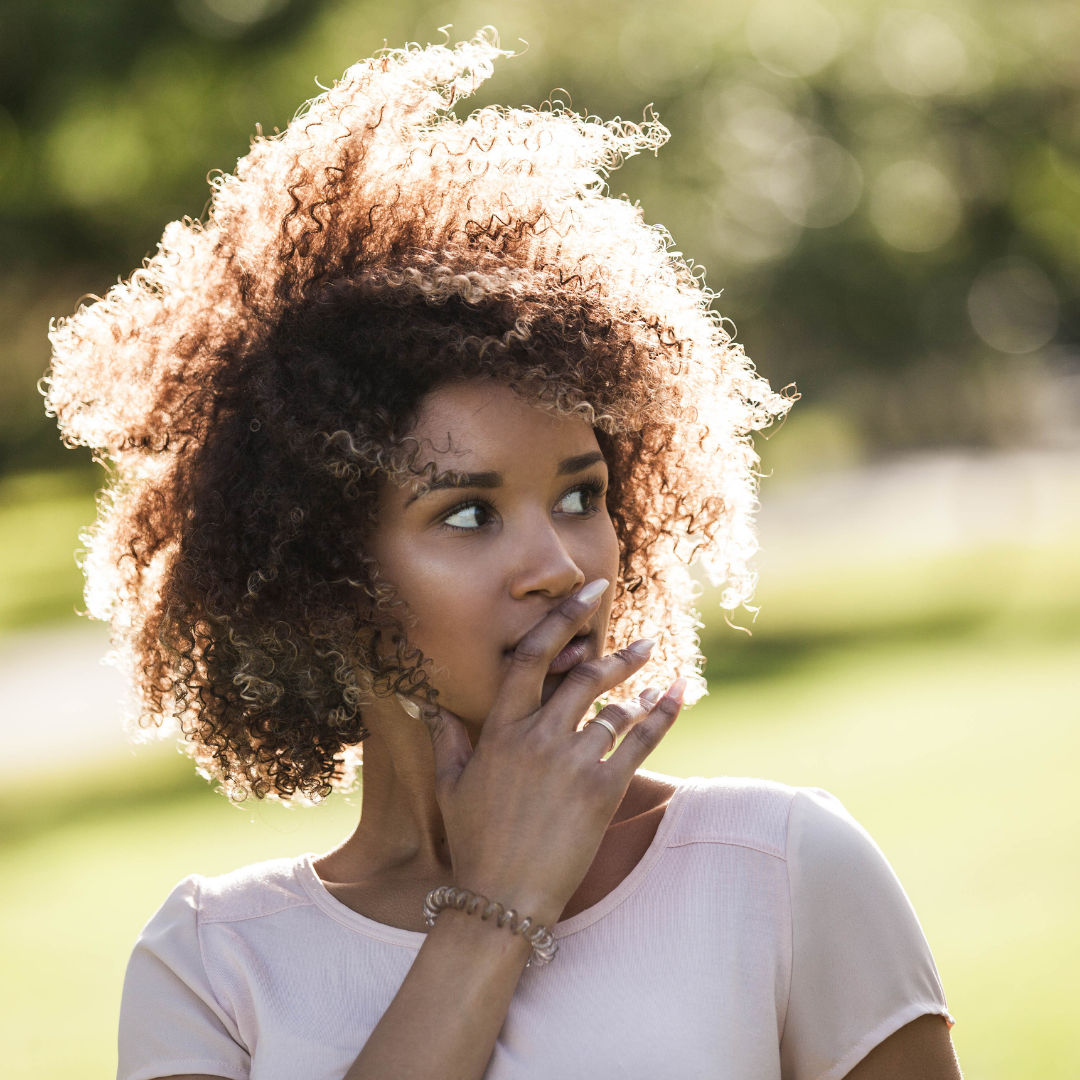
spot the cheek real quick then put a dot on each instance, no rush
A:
(452, 605)
(440, 595)
(598, 553)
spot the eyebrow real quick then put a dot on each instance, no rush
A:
(451, 481)
(458, 480)
(571, 465)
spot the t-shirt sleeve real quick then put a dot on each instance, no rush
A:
(861, 967)
(170, 1021)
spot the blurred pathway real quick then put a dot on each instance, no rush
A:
(920, 506)
(60, 704)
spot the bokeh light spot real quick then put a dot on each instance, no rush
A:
(815, 182)
(227, 18)
(919, 53)
(792, 38)
(1013, 306)
(748, 229)
(662, 47)
(914, 206)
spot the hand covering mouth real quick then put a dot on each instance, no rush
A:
(571, 654)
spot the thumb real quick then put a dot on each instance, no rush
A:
(450, 742)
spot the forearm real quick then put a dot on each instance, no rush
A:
(448, 1012)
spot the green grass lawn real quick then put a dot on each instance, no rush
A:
(938, 700)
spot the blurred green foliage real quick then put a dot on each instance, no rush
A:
(889, 198)
(41, 516)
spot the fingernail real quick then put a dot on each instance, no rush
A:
(411, 707)
(650, 695)
(677, 690)
(643, 648)
(593, 591)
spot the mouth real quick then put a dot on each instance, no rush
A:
(573, 652)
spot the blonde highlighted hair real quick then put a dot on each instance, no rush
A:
(255, 382)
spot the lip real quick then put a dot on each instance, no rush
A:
(573, 652)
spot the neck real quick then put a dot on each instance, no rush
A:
(401, 826)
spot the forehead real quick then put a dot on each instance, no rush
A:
(465, 425)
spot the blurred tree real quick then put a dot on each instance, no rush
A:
(111, 115)
(889, 198)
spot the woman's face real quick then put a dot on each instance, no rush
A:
(480, 560)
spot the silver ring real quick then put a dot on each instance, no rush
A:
(610, 728)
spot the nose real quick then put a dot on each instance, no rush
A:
(543, 565)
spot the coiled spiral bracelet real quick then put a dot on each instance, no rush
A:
(542, 940)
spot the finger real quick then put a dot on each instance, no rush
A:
(521, 690)
(644, 737)
(621, 715)
(451, 746)
(583, 684)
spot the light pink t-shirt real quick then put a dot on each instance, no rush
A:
(763, 936)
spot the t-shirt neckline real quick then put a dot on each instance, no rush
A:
(393, 935)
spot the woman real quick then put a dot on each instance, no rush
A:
(414, 440)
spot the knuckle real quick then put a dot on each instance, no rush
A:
(529, 652)
(617, 714)
(667, 707)
(586, 673)
(532, 742)
(538, 740)
(570, 609)
(646, 736)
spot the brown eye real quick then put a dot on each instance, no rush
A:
(577, 501)
(466, 517)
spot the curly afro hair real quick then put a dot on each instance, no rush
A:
(255, 382)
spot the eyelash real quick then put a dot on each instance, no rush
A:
(594, 488)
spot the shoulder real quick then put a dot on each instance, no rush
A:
(835, 865)
(174, 1018)
(739, 811)
(800, 823)
(821, 830)
(251, 892)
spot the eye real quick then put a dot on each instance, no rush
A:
(466, 517)
(573, 502)
(580, 501)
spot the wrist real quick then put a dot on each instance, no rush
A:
(534, 904)
(452, 898)
(483, 942)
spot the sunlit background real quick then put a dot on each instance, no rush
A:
(889, 198)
